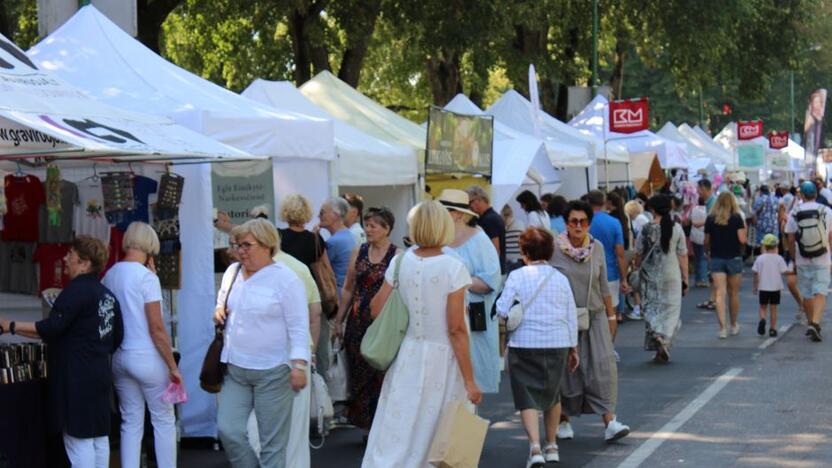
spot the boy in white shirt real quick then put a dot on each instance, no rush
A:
(768, 279)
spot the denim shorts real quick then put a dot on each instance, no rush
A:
(729, 266)
(813, 280)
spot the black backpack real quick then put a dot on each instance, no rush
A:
(812, 237)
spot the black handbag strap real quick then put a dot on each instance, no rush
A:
(220, 328)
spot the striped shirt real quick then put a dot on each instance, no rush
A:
(513, 232)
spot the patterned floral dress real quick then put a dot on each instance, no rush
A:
(364, 381)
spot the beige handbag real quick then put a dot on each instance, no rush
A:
(583, 312)
(459, 438)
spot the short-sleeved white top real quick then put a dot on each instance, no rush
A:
(791, 228)
(770, 268)
(424, 284)
(134, 286)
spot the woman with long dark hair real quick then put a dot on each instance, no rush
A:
(662, 258)
(535, 215)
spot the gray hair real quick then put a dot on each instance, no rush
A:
(339, 206)
(477, 192)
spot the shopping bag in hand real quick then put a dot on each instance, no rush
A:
(175, 394)
(459, 438)
(337, 375)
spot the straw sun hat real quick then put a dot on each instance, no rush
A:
(456, 200)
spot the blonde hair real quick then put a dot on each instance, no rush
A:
(724, 207)
(431, 225)
(295, 209)
(633, 208)
(263, 232)
(140, 236)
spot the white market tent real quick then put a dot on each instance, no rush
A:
(95, 55)
(384, 173)
(43, 115)
(520, 162)
(347, 104)
(672, 133)
(698, 138)
(593, 120)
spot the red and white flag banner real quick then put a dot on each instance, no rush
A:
(629, 116)
(778, 140)
(748, 130)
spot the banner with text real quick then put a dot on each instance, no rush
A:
(239, 187)
(629, 116)
(750, 156)
(778, 140)
(748, 130)
(459, 143)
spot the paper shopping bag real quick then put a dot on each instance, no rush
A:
(459, 438)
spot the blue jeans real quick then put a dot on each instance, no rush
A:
(269, 393)
(700, 263)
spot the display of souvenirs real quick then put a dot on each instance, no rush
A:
(18, 272)
(22, 362)
(24, 196)
(117, 188)
(143, 187)
(168, 267)
(170, 190)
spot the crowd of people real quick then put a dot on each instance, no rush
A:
(297, 301)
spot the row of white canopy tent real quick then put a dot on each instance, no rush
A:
(793, 152)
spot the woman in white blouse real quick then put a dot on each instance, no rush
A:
(545, 340)
(266, 346)
(535, 216)
(143, 366)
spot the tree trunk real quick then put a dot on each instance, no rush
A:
(617, 79)
(309, 50)
(570, 51)
(358, 42)
(444, 76)
(303, 64)
(151, 14)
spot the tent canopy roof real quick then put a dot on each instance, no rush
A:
(516, 111)
(560, 154)
(347, 104)
(363, 159)
(593, 120)
(94, 54)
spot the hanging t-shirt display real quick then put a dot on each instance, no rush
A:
(18, 272)
(50, 258)
(143, 187)
(62, 232)
(24, 196)
(117, 188)
(89, 218)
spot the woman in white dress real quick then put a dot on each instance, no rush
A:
(433, 366)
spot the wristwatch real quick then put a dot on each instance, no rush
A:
(11, 327)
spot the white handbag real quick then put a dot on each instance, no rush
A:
(515, 313)
(583, 312)
(320, 406)
(338, 374)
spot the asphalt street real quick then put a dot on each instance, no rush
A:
(743, 401)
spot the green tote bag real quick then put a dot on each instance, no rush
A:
(384, 336)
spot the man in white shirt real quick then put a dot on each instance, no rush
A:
(807, 222)
(353, 218)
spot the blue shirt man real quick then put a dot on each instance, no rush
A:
(608, 231)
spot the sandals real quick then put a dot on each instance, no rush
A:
(551, 454)
(662, 355)
(709, 305)
(535, 460)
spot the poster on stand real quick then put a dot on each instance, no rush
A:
(813, 124)
(459, 143)
(238, 188)
(750, 156)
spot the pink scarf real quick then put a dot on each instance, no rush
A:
(579, 254)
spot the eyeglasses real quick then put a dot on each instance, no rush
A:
(575, 222)
(246, 246)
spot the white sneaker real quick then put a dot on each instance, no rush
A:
(723, 333)
(565, 431)
(535, 460)
(615, 430)
(551, 453)
(735, 330)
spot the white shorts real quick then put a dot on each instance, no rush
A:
(615, 290)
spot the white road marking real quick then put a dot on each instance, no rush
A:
(657, 439)
(780, 332)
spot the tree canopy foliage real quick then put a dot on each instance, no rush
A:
(408, 55)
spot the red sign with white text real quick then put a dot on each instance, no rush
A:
(629, 116)
(750, 129)
(778, 140)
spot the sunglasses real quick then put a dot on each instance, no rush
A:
(575, 222)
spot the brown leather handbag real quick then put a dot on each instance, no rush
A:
(325, 279)
(213, 371)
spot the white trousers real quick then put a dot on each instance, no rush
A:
(141, 376)
(297, 450)
(93, 452)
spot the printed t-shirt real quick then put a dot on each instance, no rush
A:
(50, 258)
(24, 196)
(89, 218)
(770, 268)
(61, 233)
(143, 187)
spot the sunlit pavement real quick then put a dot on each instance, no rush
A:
(717, 403)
